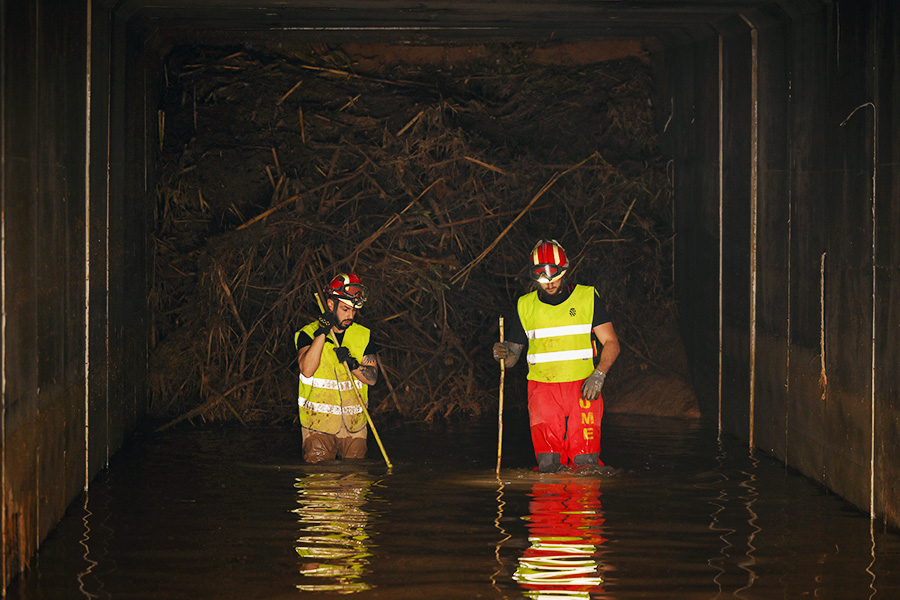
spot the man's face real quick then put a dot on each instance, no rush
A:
(551, 287)
(344, 313)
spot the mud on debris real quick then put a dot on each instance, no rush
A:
(431, 182)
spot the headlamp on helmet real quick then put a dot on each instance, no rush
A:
(346, 288)
(548, 261)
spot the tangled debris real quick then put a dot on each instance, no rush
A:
(279, 171)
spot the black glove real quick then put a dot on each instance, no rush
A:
(343, 355)
(326, 322)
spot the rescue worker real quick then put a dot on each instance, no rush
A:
(556, 322)
(333, 423)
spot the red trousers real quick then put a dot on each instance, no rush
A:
(563, 423)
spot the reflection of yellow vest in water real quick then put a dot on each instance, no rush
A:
(333, 545)
(559, 337)
(327, 397)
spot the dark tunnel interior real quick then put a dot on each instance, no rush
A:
(179, 178)
(544, 87)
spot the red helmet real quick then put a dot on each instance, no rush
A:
(347, 288)
(548, 261)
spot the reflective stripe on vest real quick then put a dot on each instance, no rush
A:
(329, 409)
(327, 399)
(559, 337)
(329, 384)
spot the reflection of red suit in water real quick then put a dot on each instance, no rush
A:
(565, 534)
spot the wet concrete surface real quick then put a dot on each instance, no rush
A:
(675, 513)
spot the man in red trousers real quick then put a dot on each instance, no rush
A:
(556, 323)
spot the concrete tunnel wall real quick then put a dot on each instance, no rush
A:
(73, 259)
(782, 128)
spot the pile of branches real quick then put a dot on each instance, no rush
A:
(279, 171)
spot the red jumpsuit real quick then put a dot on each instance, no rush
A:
(563, 423)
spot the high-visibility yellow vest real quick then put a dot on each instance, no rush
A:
(559, 337)
(327, 398)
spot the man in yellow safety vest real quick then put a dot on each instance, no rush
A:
(333, 422)
(556, 323)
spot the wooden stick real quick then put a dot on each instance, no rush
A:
(349, 75)
(231, 303)
(277, 162)
(289, 92)
(369, 240)
(465, 271)
(411, 122)
(485, 165)
(215, 398)
(268, 212)
(302, 126)
(500, 417)
(478, 219)
(625, 218)
(387, 380)
(359, 398)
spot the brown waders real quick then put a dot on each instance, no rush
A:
(319, 446)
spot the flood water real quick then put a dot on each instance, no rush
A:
(677, 513)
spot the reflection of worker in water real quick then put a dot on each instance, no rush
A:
(564, 534)
(332, 419)
(333, 545)
(556, 322)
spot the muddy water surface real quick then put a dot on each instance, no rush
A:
(677, 513)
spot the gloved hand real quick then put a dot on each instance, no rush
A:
(590, 389)
(343, 354)
(326, 322)
(507, 351)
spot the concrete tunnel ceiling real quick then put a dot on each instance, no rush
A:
(216, 21)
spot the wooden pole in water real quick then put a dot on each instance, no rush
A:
(359, 397)
(500, 416)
